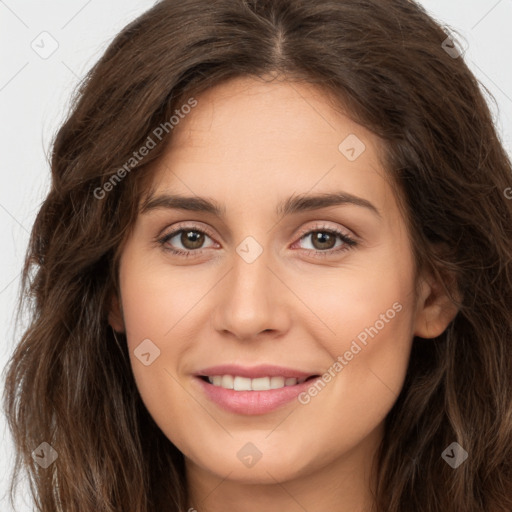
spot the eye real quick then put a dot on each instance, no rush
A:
(192, 239)
(323, 241)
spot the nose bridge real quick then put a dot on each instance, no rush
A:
(250, 279)
(250, 297)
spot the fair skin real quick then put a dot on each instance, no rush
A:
(248, 146)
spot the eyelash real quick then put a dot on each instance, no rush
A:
(347, 240)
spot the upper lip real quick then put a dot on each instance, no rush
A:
(253, 372)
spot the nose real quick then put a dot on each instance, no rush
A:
(252, 300)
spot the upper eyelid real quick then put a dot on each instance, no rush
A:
(323, 226)
(193, 225)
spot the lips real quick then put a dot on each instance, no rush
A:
(253, 390)
(255, 372)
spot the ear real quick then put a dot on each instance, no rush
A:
(115, 314)
(434, 310)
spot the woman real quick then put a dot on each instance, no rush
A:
(273, 271)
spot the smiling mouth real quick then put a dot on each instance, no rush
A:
(238, 383)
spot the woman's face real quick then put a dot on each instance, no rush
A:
(304, 270)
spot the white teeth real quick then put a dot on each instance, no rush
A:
(227, 381)
(259, 384)
(242, 384)
(276, 382)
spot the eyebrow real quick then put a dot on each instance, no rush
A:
(293, 204)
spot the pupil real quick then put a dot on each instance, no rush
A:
(323, 238)
(192, 239)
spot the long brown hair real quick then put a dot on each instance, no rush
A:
(69, 382)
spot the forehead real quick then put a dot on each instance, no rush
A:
(258, 113)
(269, 139)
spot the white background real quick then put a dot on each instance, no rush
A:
(34, 95)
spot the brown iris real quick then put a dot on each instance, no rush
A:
(192, 239)
(322, 238)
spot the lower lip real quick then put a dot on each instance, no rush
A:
(252, 402)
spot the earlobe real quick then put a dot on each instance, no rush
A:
(115, 315)
(435, 310)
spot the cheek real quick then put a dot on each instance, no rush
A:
(369, 360)
(372, 300)
(155, 306)
(156, 299)
(157, 312)
(370, 314)
(370, 349)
